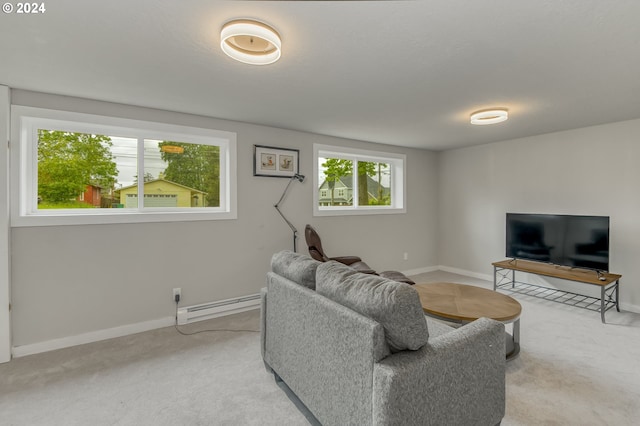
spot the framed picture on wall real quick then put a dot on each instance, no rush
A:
(275, 162)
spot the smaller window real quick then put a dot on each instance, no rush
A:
(352, 181)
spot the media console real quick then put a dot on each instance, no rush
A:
(504, 277)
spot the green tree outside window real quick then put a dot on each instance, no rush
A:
(68, 162)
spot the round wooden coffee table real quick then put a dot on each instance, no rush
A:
(465, 303)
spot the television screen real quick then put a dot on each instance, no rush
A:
(575, 241)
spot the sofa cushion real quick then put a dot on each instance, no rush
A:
(296, 267)
(396, 306)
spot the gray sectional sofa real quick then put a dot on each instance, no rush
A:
(356, 349)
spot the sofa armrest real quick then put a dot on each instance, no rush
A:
(456, 378)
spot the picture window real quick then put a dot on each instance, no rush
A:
(73, 168)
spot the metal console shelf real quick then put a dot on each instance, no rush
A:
(504, 277)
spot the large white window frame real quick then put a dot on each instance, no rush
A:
(24, 167)
(397, 180)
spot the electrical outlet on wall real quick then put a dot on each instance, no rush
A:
(405, 256)
(177, 292)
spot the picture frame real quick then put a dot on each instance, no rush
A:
(271, 161)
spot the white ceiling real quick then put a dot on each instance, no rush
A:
(407, 73)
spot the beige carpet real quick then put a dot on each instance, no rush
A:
(572, 370)
(153, 378)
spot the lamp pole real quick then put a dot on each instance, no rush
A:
(299, 178)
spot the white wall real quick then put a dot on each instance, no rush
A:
(588, 171)
(70, 280)
(5, 327)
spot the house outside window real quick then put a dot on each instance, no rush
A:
(72, 168)
(352, 181)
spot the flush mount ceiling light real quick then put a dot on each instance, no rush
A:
(489, 116)
(251, 42)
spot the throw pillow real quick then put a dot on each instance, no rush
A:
(396, 306)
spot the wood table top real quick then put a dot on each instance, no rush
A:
(463, 302)
(586, 276)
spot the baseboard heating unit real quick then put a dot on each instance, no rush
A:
(207, 311)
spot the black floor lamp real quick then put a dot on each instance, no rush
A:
(299, 178)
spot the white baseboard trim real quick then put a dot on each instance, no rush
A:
(420, 270)
(92, 336)
(466, 273)
(109, 333)
(629, 307)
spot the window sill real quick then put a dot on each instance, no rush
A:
(332, 211)
(70, 218)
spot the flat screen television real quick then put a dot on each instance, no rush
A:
(566, 240)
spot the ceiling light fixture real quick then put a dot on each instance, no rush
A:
(250, 42)
(489, 116)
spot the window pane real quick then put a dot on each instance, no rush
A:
(180, 174)
(125, 153)
(75, 170)
(374, 186)
(336, 182)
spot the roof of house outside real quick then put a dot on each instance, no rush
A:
(372, 185)
(163, 180)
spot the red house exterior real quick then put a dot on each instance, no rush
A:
(91, 195)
